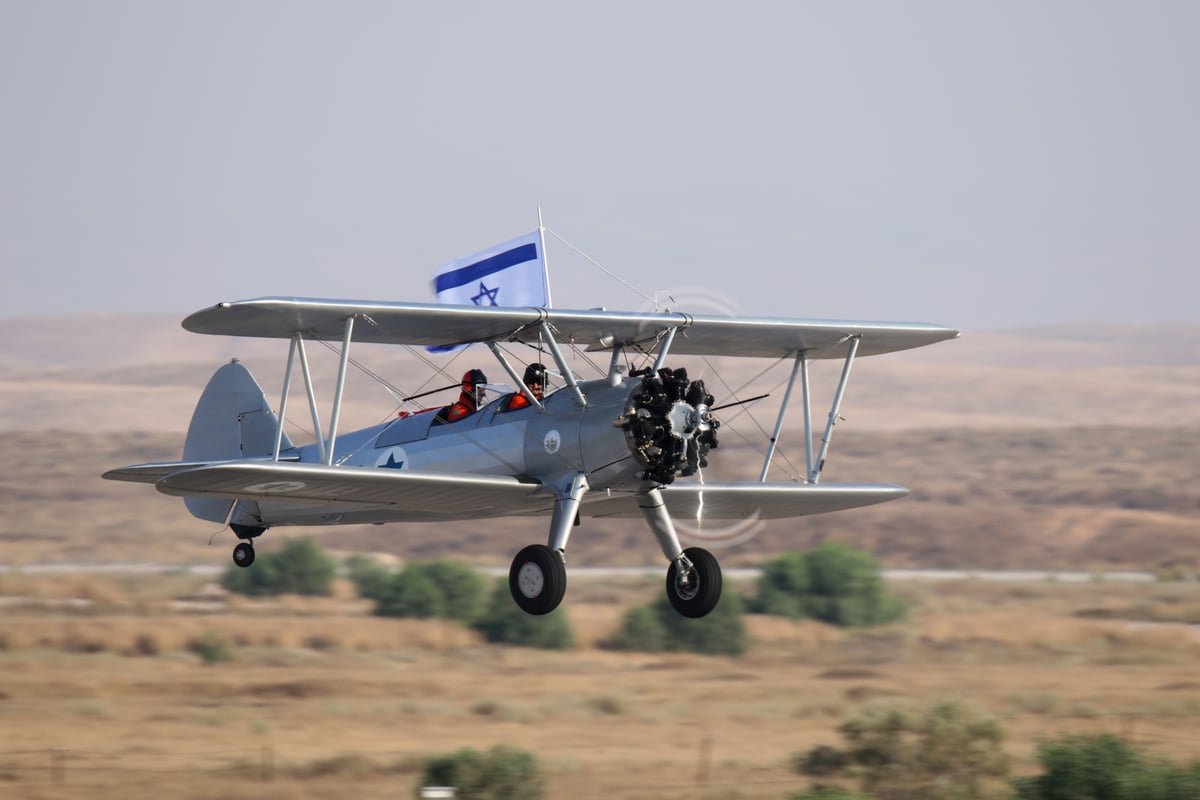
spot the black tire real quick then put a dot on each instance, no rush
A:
(243, 554)
(537, 579)
(696, 593)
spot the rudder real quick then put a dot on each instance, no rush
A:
(232, 420)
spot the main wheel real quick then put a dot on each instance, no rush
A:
(537, 579)
(696, 591)
(243, 554)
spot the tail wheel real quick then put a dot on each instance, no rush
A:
(537, 579)
(694, 589)
(243, 554)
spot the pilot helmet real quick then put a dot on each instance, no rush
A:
(473, 384)
(535, 373)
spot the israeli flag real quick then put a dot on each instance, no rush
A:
(509, 274)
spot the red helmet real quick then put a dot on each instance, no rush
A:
(473, 385)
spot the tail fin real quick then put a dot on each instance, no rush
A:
(232, 420)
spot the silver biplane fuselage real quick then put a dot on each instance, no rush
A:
(554, 444)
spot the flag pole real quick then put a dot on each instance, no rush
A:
(545, 257)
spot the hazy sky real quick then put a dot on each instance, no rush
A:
(972, 164)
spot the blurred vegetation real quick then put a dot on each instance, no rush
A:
(658, 628)
(369, 576)
(949, 752)
(504, 623)
(503, 773)
(1105, 768)
(301, 567)
(212, 647)
(443, 589)
(832, 583)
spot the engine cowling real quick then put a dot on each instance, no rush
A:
(668, 424)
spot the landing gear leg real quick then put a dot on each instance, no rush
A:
(537, 579)
(694, 577)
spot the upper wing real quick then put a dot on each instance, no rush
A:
(730, 500)
(420, 495)
(437, 324)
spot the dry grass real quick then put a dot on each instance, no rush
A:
(320, 699)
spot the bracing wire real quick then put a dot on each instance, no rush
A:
(607, 271)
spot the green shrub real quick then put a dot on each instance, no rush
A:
(212, 647)
(642, 631)
(462, 589)
(949, 752)
(370, 578)
(411, 593)
(432, 589)
(659, 627)
(833, 583)
(1107, 768)
(301, 567)
(503, 773)
(505, 623)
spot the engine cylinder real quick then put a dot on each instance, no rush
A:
(668, 425)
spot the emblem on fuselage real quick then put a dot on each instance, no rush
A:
(392, 458)
(551, 441)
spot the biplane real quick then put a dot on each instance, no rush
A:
(627, 444)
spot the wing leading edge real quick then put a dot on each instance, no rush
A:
(418, 495)
(733, 500)
(437, 324)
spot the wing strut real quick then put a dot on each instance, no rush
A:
(512, 373)
(800, 366)
(664, 349)
(614, 366)
(325, 452)
(283, 401)
(801, 362)
(341, 385)
(562, 365)
(312, 395)
(814, 474)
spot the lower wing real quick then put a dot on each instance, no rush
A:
(432, 495)
(733, 500)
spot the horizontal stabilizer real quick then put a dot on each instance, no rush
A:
(150, 473)
(416, 495)
(729, 500)
(155, 471)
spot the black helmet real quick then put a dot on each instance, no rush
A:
(535, 373)
(473, 385)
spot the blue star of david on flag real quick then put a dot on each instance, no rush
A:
(486, 296)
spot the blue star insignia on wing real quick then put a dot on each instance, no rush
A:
(392, 463)
(486, 294)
